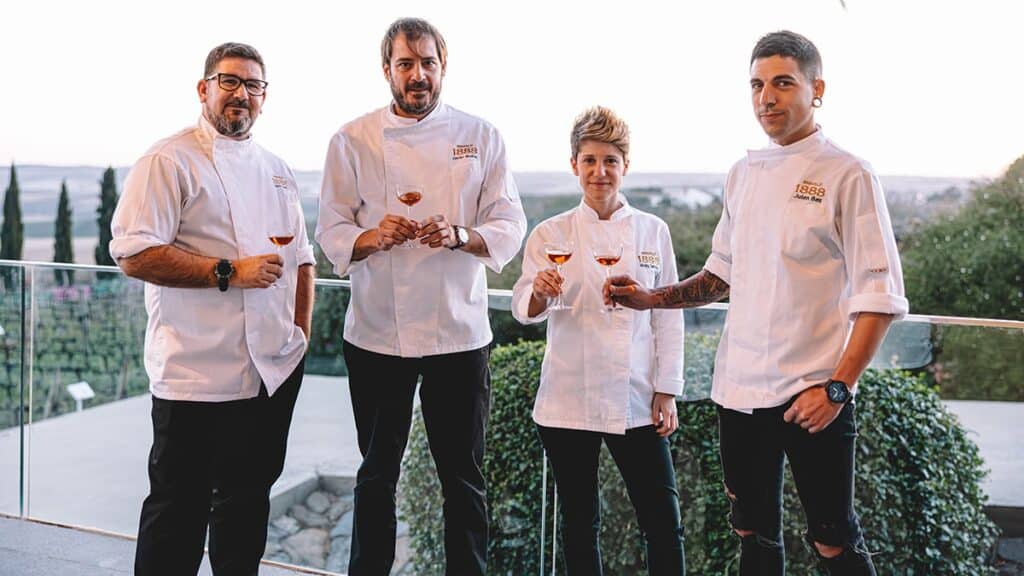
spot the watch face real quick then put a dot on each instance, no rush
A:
(837, 391)
(223, 268)
(463, 235)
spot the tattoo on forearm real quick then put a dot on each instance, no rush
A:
(697, 290)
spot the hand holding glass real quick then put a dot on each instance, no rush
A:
(410, 195)
(558, 253)
(608, 254)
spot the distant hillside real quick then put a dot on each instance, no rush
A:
(40, 186)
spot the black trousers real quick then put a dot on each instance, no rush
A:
(645, 462)
(455, 397)
(212, 465)
(754, 448)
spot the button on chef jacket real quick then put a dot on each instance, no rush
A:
(805, 243)
(601, 370)
(218, 197)
(418, 301)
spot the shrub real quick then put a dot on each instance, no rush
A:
(917, 487)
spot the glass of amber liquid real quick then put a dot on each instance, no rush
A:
(608, 254)
(558, 253)
(281, 238)
(410, 195)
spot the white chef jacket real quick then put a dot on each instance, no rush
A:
(601, 370)
(805, 243)
(419, 301)
(218, 197)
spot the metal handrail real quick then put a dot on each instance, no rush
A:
(933, 319)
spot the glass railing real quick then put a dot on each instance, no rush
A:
(75, 423)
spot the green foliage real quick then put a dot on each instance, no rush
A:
(918, 477)
(62, 250)
(12, 231)
(105, 214)
(978, 363)
(692, 230)
(972, 263)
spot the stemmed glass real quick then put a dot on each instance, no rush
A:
(558, 253)
(410, 195)
(280, 235)
(608, 253)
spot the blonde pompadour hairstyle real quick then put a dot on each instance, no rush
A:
(601, 125)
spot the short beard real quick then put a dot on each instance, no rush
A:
(413, 109)
(232, 128)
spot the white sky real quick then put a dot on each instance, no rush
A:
(916, 87)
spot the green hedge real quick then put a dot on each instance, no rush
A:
(917, 487)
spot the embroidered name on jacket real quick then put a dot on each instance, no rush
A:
(460, 151)
(810, 191)
(280, 183)
(650, 260)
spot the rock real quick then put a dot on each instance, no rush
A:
(339, 507)
(308, 547)
(272, 548)
(344, 526)
(401, 529)
(285, 526)
(308, 518)
(337, 558)
(318, 502)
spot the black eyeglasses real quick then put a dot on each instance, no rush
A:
(230, 83)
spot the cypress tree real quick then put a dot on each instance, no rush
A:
(108, 201)
(11, 234)
(62, 248)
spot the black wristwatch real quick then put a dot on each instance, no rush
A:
(461, 237)
(838, 392)
(223, 271)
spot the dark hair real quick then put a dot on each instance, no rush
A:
(790, 45)
(413, 29)
(232, 50)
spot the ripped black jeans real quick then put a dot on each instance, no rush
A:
(754, 448)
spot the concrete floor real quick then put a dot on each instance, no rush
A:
(32, 549)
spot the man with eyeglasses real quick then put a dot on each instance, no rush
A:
(418, 310)
(229, 321)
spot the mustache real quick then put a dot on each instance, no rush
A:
(238, 103)
(421, 85)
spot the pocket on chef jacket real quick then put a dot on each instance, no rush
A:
(467, 175)
(806, 230)
(648, 267)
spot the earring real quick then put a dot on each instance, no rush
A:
(816, 102)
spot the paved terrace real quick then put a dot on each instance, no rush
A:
(89, 469)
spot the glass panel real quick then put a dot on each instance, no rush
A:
(91, 429)
(13, 396)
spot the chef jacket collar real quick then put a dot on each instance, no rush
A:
(591, 215)
(774, 151)
(392, 120)
(209, 138)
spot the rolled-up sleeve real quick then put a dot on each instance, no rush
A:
(336, 229)
(534, 261)
(667, 325)
(719, 262)
(149, 210)
(869, 249)
(303, 248)
(500, 220)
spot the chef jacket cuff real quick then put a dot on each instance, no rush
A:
(719, 267)
(132, 244)
(340, 247)
(673, 386)
(305, 256)
(893, 304)
(521, 310)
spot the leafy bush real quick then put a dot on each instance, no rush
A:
(918, 480)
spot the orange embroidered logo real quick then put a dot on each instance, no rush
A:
(280, 182)
(649, 259)
(807, 190)
(460, 151)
